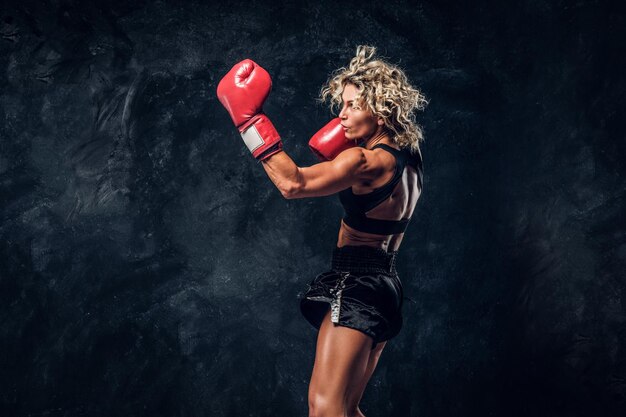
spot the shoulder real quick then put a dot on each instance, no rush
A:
(355, 155)
(362, 162)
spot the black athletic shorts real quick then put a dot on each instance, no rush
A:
(363, 290)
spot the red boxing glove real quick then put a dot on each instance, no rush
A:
(242, 92)
(330, 141)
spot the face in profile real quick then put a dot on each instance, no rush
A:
(359, 123)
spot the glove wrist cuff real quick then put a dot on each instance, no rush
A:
(259, 135)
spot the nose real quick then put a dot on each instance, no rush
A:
(342, 114)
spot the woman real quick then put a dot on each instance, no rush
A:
(357, 305)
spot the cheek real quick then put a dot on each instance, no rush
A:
(363, 121)
(360, 119)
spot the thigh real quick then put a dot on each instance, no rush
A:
(375, 355)
(354, 397)
(342, 357)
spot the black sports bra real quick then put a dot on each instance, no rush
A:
(356, 205)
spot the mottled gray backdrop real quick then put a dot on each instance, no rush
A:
(148, 267)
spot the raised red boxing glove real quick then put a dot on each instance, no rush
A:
(242, 92)
(330, 141)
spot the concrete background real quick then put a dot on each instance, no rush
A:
(149, 267)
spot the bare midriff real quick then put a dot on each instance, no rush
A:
(350, 236)
(400, 205)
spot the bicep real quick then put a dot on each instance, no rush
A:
(330, 177)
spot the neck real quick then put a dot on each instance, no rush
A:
(380, 136)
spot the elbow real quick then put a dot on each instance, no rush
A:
(291, 191)
(292, 187)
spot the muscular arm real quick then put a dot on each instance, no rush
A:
(325, 178)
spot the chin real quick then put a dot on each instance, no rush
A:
(353, 138)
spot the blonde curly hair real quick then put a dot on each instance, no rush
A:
(385, 90)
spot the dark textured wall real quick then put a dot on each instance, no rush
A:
(149, 267)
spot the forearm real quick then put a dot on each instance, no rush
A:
(284, 173)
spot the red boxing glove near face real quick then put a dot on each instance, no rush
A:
(242, 91)
(330, 141)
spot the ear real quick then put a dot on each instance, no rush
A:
(381, 122)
